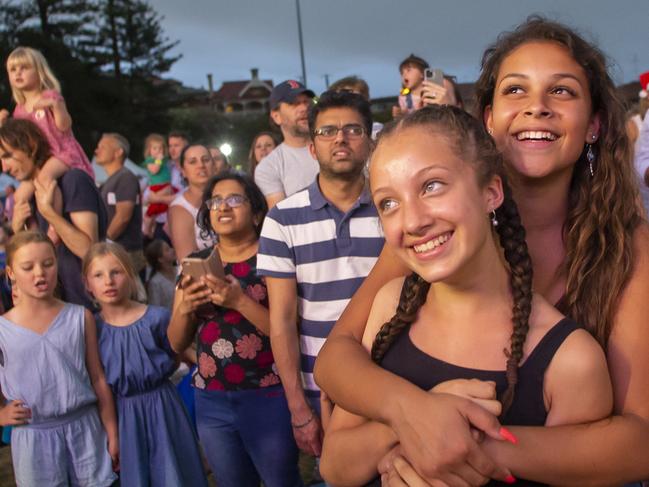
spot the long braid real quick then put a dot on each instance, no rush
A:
(512, 240)
(471, 141)
(413, 296)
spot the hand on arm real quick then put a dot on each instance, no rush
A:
(105, 400)
(433, 429)
(77, 235)
(165, 195)
(153, 168)
(21, 217)
(612, 451)
(354, 445)
(14, 413)
(229, 294)
(282, 296)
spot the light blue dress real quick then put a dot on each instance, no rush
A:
(158, 446)
(64, 442)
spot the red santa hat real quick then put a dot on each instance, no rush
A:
(644, 85)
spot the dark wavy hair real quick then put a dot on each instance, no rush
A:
(471, 143)
(603, 210)
(255, 197)
(341, 99)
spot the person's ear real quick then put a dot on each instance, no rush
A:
(594, 128)
(276, 116)
(312, 150)
(494, 194)
(487, 119)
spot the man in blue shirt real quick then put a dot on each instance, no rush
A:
(316, 248)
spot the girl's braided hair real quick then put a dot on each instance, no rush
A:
(472, 144)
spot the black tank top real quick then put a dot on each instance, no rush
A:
(404, 359)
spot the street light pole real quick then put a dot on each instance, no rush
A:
(299, 32)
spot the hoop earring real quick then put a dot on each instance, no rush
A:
(494, 220)
(590, 157)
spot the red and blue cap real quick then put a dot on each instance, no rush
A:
(287, 91)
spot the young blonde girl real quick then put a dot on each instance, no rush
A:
(156, 163)
(467, 311)
(37, 94)
(157, 443)
(62, 410)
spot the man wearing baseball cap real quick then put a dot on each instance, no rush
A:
(290, 167)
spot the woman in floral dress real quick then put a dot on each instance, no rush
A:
(241, 412)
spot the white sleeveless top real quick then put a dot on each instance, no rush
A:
(201, 242)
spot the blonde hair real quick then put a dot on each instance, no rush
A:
(27, 55)
(102, 249)
(23, 238)
(150, 139)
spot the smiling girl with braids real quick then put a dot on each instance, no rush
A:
(467, 310)
(553, 111)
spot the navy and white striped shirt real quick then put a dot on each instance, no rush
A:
(328, 253)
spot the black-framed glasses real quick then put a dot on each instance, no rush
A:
(351, 131)
(233, 201)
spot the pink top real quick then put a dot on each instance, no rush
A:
(63, 144)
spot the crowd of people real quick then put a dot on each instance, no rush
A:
(446, 300)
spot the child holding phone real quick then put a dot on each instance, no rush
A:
(412, 76)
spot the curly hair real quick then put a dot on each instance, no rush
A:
(471, 143)
(603, 210)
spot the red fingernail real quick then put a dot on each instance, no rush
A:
(510, 479)
(508, 435)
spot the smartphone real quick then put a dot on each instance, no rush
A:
(197, 267)
(435, 75)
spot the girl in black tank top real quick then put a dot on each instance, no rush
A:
(467, 309)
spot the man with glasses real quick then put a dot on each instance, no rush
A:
(289, 167)
(316, 248)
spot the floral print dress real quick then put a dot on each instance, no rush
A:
(233, 355)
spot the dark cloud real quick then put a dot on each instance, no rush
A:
(370, 37)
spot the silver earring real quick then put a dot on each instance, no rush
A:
(491, 131)
(494, 220)
(590, 157)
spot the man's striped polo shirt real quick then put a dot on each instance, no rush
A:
(329, 253)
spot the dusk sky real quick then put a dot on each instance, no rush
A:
(370, 37)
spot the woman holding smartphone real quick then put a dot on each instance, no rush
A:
(241, 412)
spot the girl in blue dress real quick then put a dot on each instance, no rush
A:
(62, 410)
(157, 442)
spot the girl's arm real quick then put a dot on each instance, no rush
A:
(614, 450)
(229, 294)
(433, 429)
(62, 118)
(102, 390)
(13, 413)
(181, 229)
(354, 445)
(187, 299)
